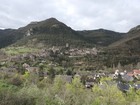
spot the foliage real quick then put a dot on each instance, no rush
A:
(109, 95)
(51, 72)
(62, 93)
(105, 79)
(133, 96)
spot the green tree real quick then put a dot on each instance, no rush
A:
(51, 72)
(108, 95)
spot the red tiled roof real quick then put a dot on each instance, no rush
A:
(136, 71)
(130, 74)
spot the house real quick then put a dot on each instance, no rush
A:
(136, 86)
(124, 87)
(123, 76)
(89, 82)
(112, 76)
(127, 78)
(130, 74)
(135, 73)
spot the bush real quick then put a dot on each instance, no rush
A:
(133, 97)
(8, 97)
(33, 94)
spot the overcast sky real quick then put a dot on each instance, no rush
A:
(117, 15)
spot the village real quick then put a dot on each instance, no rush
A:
(56, 62)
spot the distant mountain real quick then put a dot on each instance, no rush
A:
(127, 49)
(9, 36)
(101, 36)
(52, 32)
(130, 41)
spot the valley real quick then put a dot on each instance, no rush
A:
(49, 62)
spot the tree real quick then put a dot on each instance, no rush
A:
(51, 72)
(119, 66)
(108, 95)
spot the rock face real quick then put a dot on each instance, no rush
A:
(29, 32)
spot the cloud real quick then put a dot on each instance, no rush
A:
(117, 15)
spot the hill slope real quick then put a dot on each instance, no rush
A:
(9, 36)
(131, 41)
(125, 50)
(51, 32)
(101, 36)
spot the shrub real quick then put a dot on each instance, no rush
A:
(8, 97)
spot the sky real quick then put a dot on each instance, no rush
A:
(116, 15)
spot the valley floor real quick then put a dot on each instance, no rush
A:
(60, 76)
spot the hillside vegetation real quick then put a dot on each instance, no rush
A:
(19, 90)
(102, 37)
(53, 32)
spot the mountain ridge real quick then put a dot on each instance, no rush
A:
(52, 28)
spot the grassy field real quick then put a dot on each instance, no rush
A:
(19, 50)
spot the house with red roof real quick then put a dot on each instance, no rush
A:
(135, 73)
